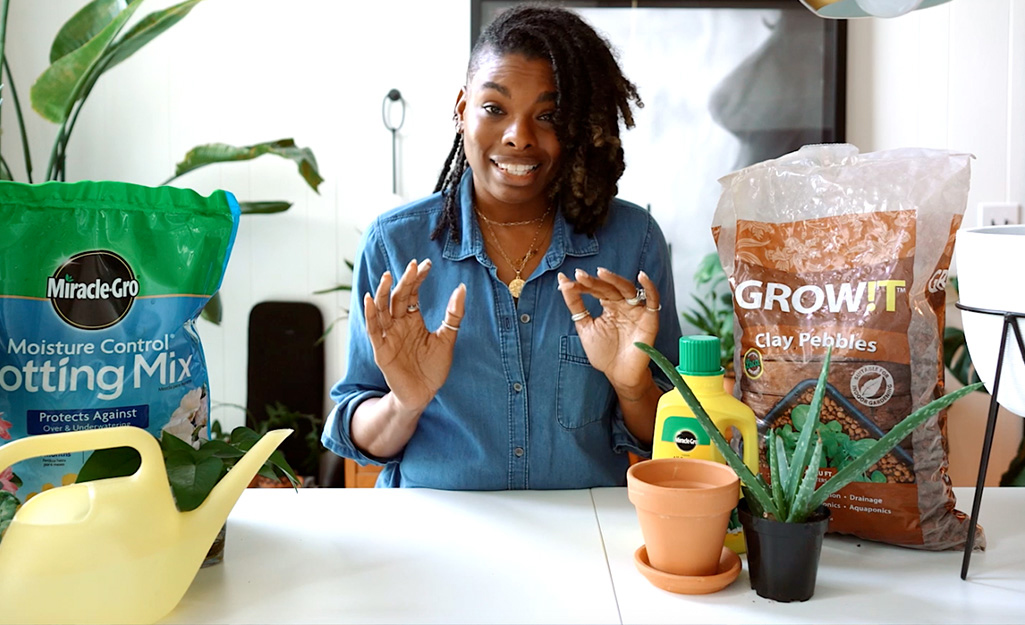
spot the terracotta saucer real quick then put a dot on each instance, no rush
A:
(729, 569)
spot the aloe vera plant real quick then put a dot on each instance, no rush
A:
(792, 495)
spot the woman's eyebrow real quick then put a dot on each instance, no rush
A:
(497, 87)
(548, 96)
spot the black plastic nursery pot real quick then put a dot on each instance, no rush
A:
(783, 558)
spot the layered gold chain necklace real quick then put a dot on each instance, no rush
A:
(516, 284)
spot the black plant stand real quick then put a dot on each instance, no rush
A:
(1009, 322)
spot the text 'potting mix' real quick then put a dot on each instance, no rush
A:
(678, 434)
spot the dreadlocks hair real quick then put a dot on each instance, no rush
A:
(593, 94)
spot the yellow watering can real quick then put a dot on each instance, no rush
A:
(114, 550)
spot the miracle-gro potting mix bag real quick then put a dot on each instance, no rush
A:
(100, 285)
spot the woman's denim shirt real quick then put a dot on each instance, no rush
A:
(522, 407)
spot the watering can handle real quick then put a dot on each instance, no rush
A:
(152, 467)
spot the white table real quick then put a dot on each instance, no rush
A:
(858, 581)
(406, 556)
(421, 556)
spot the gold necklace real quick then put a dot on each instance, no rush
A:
(492, 222)
(516, 284)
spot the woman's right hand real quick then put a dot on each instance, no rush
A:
(414, 361)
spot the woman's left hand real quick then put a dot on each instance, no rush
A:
(628, 315)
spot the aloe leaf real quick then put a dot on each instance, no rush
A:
(84, 25)
(803, 449)
(859, 465)
(758, 490)
(61, 85)
(777, 471)
(799, 508)
(211, 153)
(148, 29)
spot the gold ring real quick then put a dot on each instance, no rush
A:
(654, 310)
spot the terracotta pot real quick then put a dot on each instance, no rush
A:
(683, 506)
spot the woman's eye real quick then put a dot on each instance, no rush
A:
(547, 117)
(492, 109)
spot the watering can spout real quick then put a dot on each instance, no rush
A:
(214, 511)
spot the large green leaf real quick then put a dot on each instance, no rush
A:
(62, 84)
(211, 153)
(148, 29)
(84, 25)
(112, 462)
(192, 477)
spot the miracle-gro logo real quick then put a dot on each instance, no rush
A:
(811, 298)
(93, 290)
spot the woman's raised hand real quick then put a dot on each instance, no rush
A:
(414, 361)
(628, 315)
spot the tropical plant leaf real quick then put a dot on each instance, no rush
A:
(956, 357)
(263, 208)
(192, 477)
(112, 462)
(169, 443)
(213, 310)
(84, 25)
(62, 84)
(148, 29)
(899, 432)
(210, 153)
(754, 486)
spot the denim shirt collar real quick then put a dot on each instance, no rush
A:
(565, 241)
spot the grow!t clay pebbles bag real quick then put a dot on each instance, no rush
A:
(830, 248)
(100, 285)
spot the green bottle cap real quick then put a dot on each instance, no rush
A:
(699, 355)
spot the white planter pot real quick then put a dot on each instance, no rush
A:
(991, 275)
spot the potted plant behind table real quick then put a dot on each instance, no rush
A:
(784, 520)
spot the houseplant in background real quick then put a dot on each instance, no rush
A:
(713, 314)
(89, 44)
(793, 496)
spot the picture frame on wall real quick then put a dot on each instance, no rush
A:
(725, 84)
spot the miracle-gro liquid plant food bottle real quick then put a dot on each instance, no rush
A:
(678, 434)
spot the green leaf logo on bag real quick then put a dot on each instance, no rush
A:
(93, 290)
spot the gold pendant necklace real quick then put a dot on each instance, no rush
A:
(516, 284)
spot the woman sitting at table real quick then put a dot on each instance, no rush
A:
(531, 379)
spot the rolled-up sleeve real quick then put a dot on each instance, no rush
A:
(363, 380)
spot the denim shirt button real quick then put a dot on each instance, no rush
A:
(517, 387)
(519, 452)
(524, 318)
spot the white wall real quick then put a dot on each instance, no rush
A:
(247, 71)
(244, 71)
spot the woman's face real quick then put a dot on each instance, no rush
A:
(507, 112)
